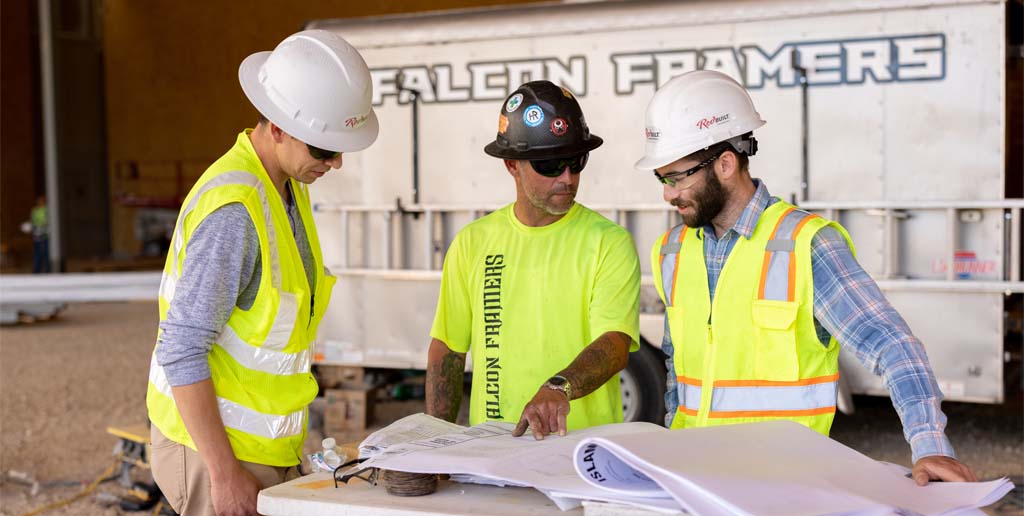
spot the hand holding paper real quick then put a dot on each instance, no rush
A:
(946, 469)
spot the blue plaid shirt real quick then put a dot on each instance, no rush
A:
(849, 305)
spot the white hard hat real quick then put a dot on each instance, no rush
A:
(694, 111)
(316, 87)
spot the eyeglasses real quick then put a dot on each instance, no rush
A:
(555, 167)
(340, 475)
(321, 154)
(673, 178)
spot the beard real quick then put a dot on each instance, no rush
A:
(707, 204)
(550, 205)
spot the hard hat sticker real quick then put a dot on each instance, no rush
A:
(513, 102)
(559, 126)
(357, 121)
(652, 133)
(533, 116)
(705, 123)
(502, 124)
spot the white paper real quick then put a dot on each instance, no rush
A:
(662, 505)
(489, 450)
(409, 428)
(601, 467)
(482, 480)
(774, 468)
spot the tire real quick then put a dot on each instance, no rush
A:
(643, 386)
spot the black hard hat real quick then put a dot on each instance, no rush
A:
(541, 121)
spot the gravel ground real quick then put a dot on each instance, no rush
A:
(62, 382)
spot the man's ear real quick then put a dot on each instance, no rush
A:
(276, 132)
(512, 167)
(728, 164)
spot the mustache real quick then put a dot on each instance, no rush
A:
(678, 203)
(564, 190)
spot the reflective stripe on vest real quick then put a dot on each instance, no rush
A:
(265, 359)
(238, 416)
(688, 390)
(778, 274)
(670, 246)
(753, 398)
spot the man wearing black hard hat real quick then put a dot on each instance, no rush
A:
(543, 291)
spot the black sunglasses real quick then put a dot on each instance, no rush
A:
(321, 154)
(672, 178)
(555, 167)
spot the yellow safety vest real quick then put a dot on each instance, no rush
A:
(260, 362)
(753, 354)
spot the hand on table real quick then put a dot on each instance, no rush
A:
(544, 414)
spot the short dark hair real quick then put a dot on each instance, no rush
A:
(260, 119)
(742, 159)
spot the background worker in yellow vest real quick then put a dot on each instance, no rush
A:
(244, 287)
(39, 227)
(759, 294)
(543, 291)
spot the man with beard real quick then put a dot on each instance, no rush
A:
(544, 291)
(758, 293)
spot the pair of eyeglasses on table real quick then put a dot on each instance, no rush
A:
(367, 474)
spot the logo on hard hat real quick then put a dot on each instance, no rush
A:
(502, 124)
(357, 121)
(704, 123)
(652, 133)
(513, 102)
(533, 116)
(559, 126)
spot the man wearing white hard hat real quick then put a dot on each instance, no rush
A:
(244, 287)
(759, 293)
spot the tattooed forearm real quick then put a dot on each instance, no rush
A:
(604, 357)
(444, 381)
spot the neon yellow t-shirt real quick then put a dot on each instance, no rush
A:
(524, 301)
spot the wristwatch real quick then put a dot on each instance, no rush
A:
(559, 383)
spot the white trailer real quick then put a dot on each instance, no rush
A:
(889, 116)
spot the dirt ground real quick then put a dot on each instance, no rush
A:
(63, 382)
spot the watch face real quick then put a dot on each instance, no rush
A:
(557, 381)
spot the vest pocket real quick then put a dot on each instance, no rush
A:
(775, 331)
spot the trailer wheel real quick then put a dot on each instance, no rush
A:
(643, 386)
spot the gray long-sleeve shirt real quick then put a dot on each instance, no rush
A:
(221, 271)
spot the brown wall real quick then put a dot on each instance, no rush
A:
(173, 99)
(21, 168)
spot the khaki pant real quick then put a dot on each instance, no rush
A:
(185, 481)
